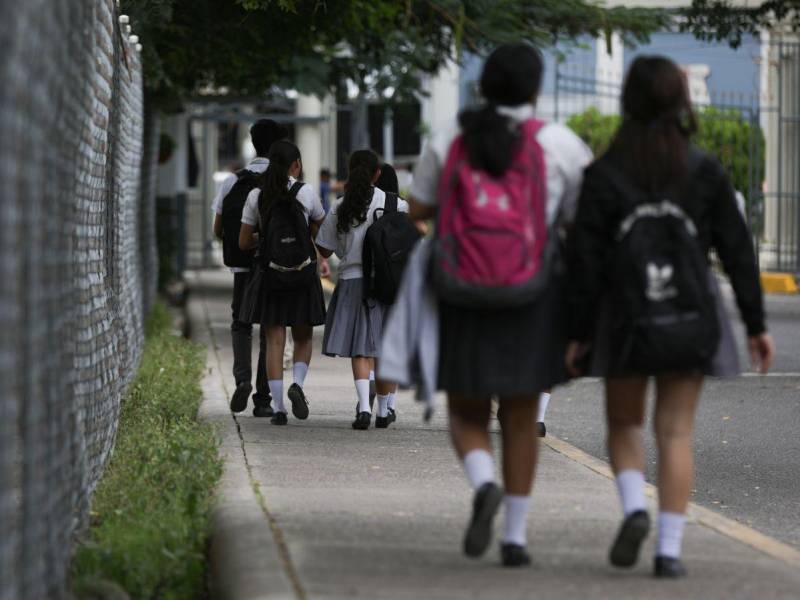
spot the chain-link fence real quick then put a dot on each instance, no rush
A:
(77, 270)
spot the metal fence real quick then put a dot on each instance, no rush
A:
(77, 266)
(757, 138)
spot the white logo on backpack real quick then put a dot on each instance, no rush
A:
(658, 278)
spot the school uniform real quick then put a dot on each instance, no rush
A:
(711, 205)
(305, 307)
(353, 327)
(242, 332)
(516, 351)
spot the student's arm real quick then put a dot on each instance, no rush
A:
(247, 239)
(419, 211)
(218, 226)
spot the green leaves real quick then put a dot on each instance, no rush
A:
(721, 20)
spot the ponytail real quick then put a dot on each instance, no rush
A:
(274, 182)
(491, 139)
(358, 190)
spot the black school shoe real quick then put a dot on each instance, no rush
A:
(299, 403)
(279, 418)
(625, 551)
(240, 396)
(384, 422)
(392, 415)
(541, 429)
(262, 407)
(668, 568)
(513, 555)
(363, 419)
(484, 508)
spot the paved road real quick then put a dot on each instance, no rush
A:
(748, 434)
(380, 513)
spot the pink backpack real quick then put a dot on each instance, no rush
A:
(491, 234)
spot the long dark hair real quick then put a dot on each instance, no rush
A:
(652, 143)
(387, 180)
(511, 77)
(357, 191)
(274, 182)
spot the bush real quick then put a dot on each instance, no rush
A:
(150, 513)
(725, 133)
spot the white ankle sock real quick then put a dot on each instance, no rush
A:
(300, 371)
(362, 389)
(670, 534)
(383, 405)
(544, 400)
(276, 390)
(516, 519)
(393, 400)
(630, 484)
(479, 466)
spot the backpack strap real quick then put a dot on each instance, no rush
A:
(295, 189)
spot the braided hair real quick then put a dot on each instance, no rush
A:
(358, 190)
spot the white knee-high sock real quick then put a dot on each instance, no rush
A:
(362, 389)
(393, 400)
(670, 534)
(276, 390)
(630, 484)
(383, 405)
(300, 370)
(479, 466)
(516, 519)
(544, 400)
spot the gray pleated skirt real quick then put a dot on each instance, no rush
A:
(724, 364)
(353, 328)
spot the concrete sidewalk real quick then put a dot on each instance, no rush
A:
(317, 510)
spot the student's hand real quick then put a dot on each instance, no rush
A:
(762, 351)
(576, 351)
(324, 268)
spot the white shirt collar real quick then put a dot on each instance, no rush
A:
(519, 113)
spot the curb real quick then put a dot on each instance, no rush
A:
(778, 283)
(247, 562)
(699, 514)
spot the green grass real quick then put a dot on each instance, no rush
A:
(150, 512)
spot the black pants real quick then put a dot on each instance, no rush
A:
(242, 339)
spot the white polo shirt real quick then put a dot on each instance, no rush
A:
(257, 165)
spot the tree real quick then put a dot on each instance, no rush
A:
(384, 46)
(721, 20)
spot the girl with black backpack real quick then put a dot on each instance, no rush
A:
(500, 183)
(355, 321)
(644, 302)
(286, 290)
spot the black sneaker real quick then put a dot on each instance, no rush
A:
(668, 568)
(240, 396)
(484, 508)
(299, 403)
(513, 555)
(392, 415)
(362, 420)
(262, 407)
(279, 418)
(541, 430)
(625, 551)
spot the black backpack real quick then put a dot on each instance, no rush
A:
(232, 206)
(387, 244)
(664, 315)
(286, 252)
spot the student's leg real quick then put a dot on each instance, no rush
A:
(676, 404)
(385, 392)
(241, 341)
(520, 453)
(469, 431)
(544, 402)
(625, 404)
(361, 368)
(276, 338)
(301, 358)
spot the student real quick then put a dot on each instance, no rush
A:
(263, 133)
(353, 326)
(508, 352)
(643, 298)
(302, 307)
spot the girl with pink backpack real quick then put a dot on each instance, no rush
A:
(501, 183)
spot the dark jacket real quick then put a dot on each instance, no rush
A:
(708, 200)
